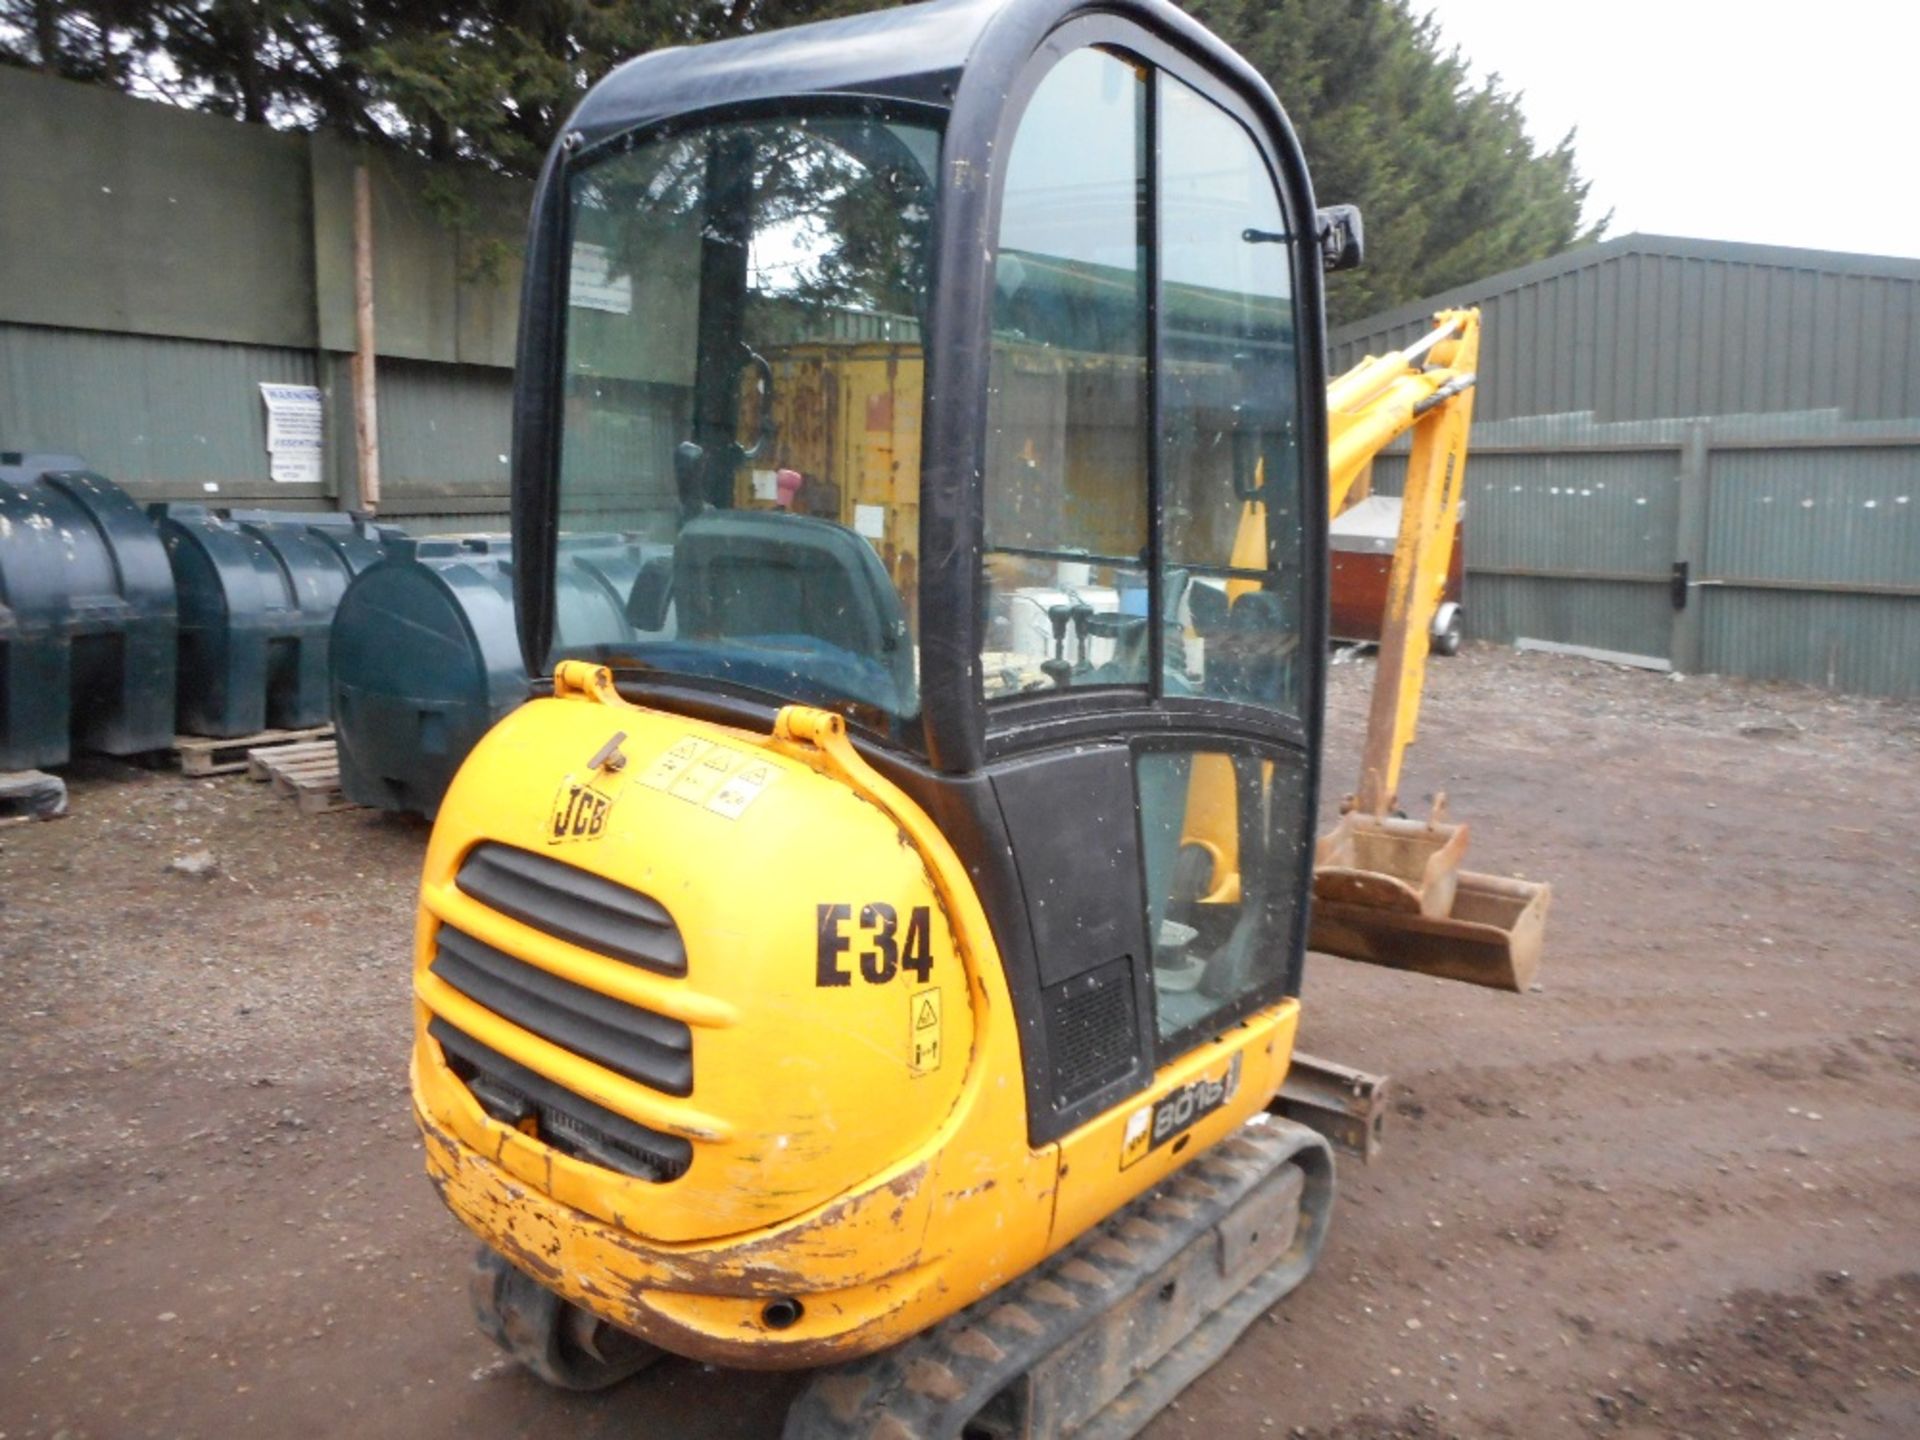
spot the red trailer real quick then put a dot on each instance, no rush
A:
(1361, 540)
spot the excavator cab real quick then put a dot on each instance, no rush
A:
(949, 351)
(873, 960)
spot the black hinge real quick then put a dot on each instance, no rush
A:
(1680, 584)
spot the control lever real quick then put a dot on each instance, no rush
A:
(690, 478)
(1059, 669)
(1081, 614)
(1058, 615)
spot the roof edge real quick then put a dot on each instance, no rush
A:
(1679, 247)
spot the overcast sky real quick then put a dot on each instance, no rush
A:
(1783, 125)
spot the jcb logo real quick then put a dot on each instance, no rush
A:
(579, 813)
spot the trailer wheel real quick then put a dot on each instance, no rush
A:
(559, 1342)
(1449, 629)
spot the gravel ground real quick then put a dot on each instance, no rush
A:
(1676, 1192)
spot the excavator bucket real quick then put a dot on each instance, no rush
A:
(1404, 867)
(1390, 891)
(1491, 935)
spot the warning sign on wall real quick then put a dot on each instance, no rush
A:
(296, 433)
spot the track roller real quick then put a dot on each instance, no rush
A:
(561, 1343)
(1094, 1342)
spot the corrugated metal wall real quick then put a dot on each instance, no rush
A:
(157, 265)
(1748, 411)
(1800, 534)
(1648, 327)
(445, 434)
(1812, 562)
(170, 419)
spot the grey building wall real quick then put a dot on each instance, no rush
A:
(156, 265)
(1747, 412)
(1648, 326)
(170, 417)
(1799, 536)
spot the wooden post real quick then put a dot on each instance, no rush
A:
(366, 417)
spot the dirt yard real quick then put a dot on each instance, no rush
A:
(1675, 1192)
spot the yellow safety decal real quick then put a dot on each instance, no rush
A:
(1134, 1143)
(580, 812)
(714, 777)
(923, 1038)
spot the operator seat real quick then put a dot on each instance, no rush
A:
(777, 582)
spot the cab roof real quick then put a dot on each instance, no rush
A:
(913, 52)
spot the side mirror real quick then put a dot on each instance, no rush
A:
(753, 404)
(1343, 239)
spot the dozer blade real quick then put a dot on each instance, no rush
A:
(1346, 1105)
(1492, 937)
(1095, 1342)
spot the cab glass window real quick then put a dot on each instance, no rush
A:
(1229, 385)
(1220, 837)
(1071, 466)
(740, 456)
(1066, 452)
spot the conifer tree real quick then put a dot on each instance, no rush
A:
(1451, 185)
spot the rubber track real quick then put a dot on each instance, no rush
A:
(929, 1387)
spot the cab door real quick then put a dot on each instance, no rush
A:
(1150, 638)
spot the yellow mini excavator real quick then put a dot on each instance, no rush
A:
(884, 959)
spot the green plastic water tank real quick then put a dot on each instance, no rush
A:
(257, 591)
(87, 623)
(426, 658)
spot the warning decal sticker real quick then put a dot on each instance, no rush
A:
(923, 1033)
(712, 776)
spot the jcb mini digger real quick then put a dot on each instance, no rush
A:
(874, 960)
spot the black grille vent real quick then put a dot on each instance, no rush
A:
(1093, 1038)
(514, 1095)
(587, 910)
(653, 1049)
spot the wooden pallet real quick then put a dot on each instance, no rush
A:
(206, 755)
(310, 773)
